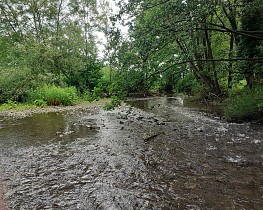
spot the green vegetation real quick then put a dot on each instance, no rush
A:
(205, 48)
(188, 85)
(213, 49)
(40, 48)
(115, 102)
(14, 84)
(12, 105)
(244, 106)
(53, 96)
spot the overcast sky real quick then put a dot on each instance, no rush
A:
(101, 36)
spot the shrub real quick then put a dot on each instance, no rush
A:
(54, 96)
(247, 105)
(115, 102)
(188, 85)
(96, 93)
(14, 84)
(40, 103)
(35, 95)
(87, 97)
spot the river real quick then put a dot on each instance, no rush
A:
(152, 153)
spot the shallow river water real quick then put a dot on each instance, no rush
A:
(153, 153)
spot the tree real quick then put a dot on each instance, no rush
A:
(53, 38)
(179, 32)
(251, 46)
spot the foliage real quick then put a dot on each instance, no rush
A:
(86, 97)
(40, 103)
(115, 102)
(238, 88)
(188, 85)
(249, 46)
(86, 74)
(204, 36)
(127, 82)
(9, 105)
(158, 86)
(53, 40)
(96, 93)
(14, 84)
(53, 96)
(190, 46)
(244, 106)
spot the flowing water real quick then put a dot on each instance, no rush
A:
(154, 153)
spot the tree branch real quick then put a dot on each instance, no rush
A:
(204, 60)
(244, 33)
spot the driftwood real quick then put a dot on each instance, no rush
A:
(148, 138)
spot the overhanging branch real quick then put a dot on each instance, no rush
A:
(204, 60)
(243, 33)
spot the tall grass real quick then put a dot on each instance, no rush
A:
(54, 96)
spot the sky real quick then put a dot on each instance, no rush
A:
(101, 38)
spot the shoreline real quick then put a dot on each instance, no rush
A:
(38, 110)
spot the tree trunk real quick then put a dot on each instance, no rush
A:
(230, 65)
(214, 80)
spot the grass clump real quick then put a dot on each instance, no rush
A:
(245, 106)
(12, 105)
(53, 96)
(115, 102)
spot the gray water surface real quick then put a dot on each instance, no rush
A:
(93, 159)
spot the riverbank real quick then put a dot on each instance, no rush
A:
(223, 109)
(50, 109)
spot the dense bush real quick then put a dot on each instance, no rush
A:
(188, 84)
(14, 84)
(54, 96)
(124, 83)
(244, 106)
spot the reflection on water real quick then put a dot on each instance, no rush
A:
(44, 128)
(159, 104)
(40, 128)
(170, 108)
(153, 104)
